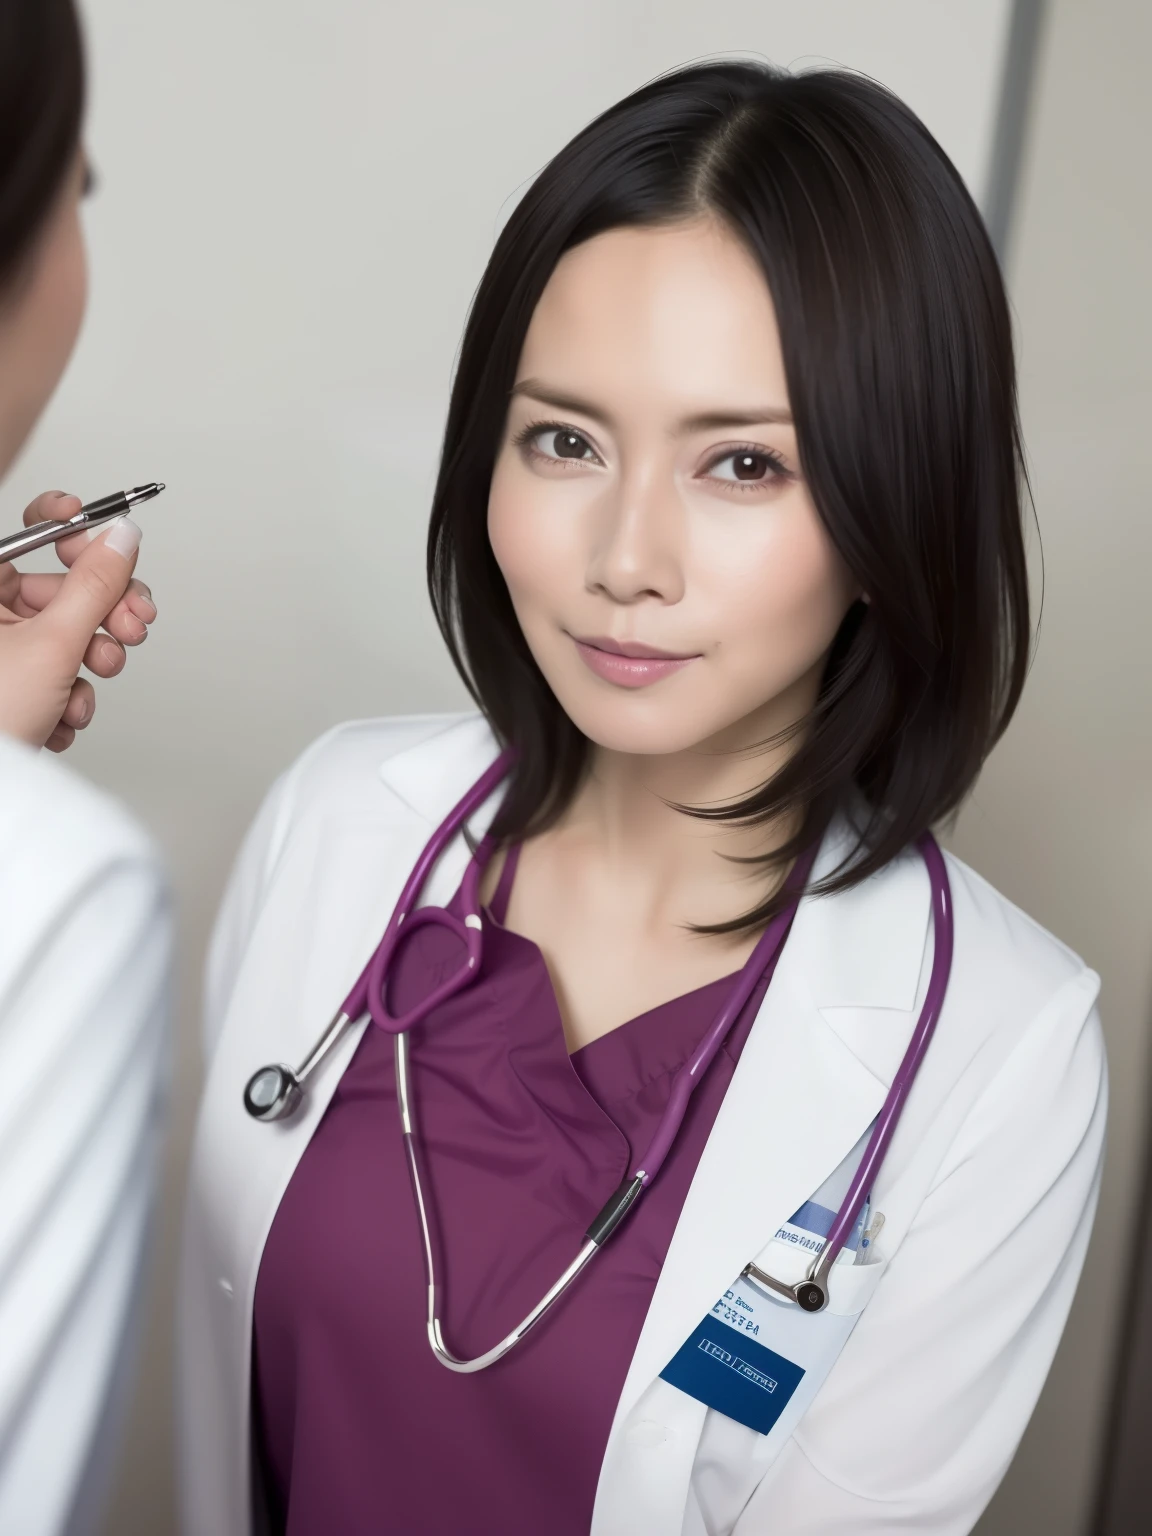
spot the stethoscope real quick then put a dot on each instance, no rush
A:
(275, 1091)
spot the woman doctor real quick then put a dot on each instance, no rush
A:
(727, 545)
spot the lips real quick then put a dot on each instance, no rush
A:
(629, 663)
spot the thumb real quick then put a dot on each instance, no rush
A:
(96, 582)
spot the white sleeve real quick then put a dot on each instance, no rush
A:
(923, 1411)
(84, 957)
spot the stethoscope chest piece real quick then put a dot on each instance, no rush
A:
(272, 1092)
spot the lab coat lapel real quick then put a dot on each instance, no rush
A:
(812, 1076)
(797, 1104)
(374, 854)
(432, 777)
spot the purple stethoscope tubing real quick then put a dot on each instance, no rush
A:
(762, 961)
(273, 1092)
(368, 992)
(943, 941)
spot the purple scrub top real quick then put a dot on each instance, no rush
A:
(360, 1432)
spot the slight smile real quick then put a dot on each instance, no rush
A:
(627, 663)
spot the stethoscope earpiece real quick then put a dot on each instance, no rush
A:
(272, 1093)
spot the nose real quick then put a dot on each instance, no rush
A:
(636, 548)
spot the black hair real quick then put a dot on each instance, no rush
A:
(897, 346)
(41, 112)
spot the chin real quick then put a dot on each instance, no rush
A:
(640, 723)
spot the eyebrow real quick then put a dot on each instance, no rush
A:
(707, 421)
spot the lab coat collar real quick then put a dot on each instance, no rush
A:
(431, 776)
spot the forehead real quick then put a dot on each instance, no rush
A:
(680, 313)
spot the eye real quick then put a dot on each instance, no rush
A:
(751, 467)
(555, 442)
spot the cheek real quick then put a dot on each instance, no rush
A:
(779, 599)
(531, 548)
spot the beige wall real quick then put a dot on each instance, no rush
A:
(1062, 819)
(297, 202)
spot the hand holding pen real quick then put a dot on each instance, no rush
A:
(51, 625)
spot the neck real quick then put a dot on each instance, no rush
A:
(678, 867)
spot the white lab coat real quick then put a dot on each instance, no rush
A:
(84, 948)
(988, 1190)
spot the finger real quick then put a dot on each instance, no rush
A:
(35, 591)
(104, 656)
(61, 739)
(140, 600)
(57, 506)
(81, 705)
(76, 543)
(130, 618)
(96, 582)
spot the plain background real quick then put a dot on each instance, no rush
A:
(296, 204)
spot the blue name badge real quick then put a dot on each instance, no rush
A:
(725, 1364)
(734, 1374)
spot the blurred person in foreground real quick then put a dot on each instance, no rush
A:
(84, 928)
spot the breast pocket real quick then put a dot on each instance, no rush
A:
(758, 1362)
(850, 1287)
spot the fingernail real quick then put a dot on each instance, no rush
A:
(146, 599)
(110, 653)
(136, 628)
(85, 711)
(124, 537)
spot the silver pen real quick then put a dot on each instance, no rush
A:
(92, 516)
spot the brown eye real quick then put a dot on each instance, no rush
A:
(748, 466)
(566, 445)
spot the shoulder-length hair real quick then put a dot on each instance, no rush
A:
(897, 347)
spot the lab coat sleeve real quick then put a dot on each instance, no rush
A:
(84, 955)
(923, 1412)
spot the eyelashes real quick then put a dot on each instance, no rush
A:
(525, 440)
(755, 466)
(750, 455)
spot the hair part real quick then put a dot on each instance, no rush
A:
(898, 353)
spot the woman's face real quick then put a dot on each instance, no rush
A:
(40, 318)
(665, 561)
